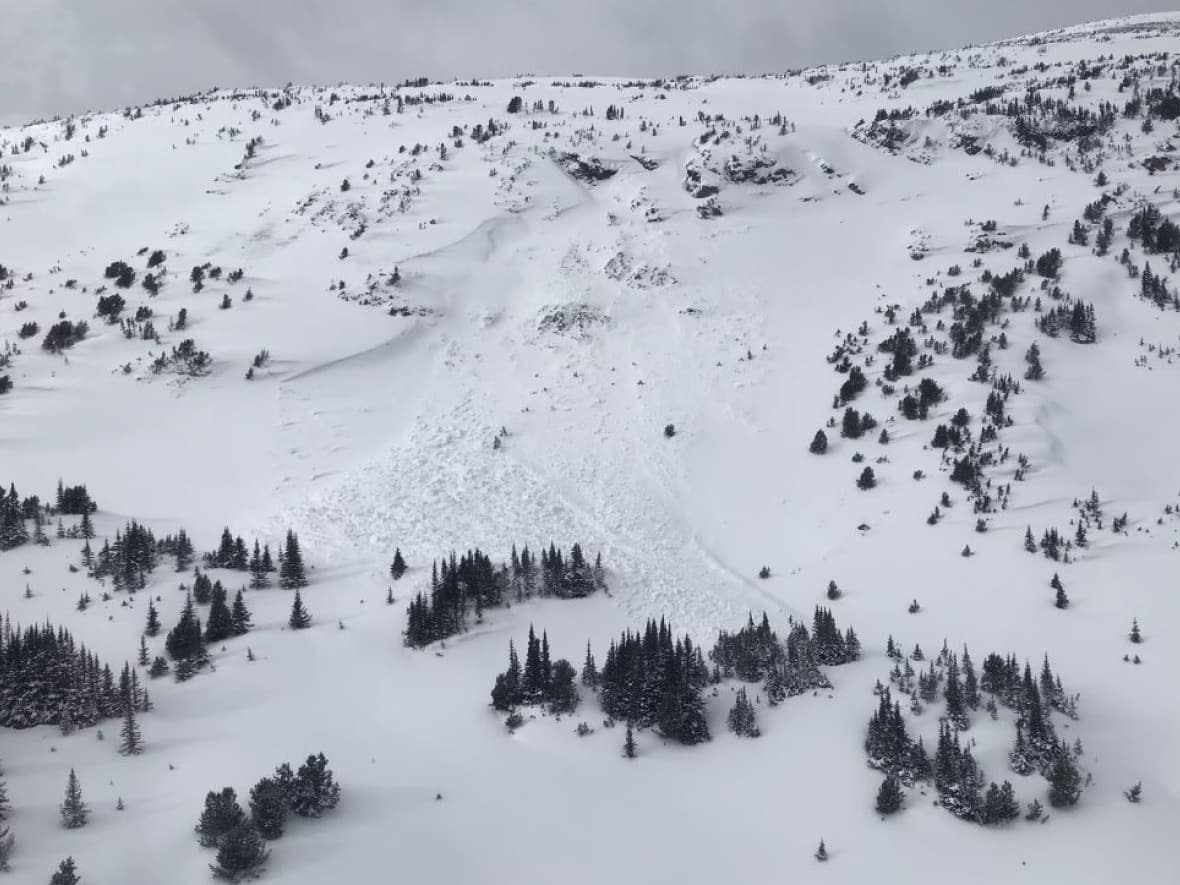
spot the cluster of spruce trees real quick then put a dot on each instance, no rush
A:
(240, 839)
(957, 776)
(650, 678)
(186, 642)
(465, 586)
(789, 668)
(1079, 320)
(540, 681)
(232, 553)
(46, 678)
(15, 511)
(128, 561)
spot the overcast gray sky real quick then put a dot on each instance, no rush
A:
(58, 56)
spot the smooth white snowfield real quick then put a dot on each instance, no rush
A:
(367, 431)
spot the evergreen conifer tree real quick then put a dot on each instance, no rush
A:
(268, 807)
(314, 789)
(74, 811)
(398, 568)
(589, 669)
(955, 706)
(67, 873)
(1000, 805)
(889, 795)
(220, 625)
(629, 748)
(257, 568)
(132, 740)
(185, 641)
(153, 620)
(184, 551)
(240, 559)
(240, 852)
(291, 574)
(742, 719)
(143, 652)
(202, 588)
(1064, 781)
(240, 616)
(222, 814)
(300, 619)
(970, 682)
(507, 692)
(563, 692)
(6, 843)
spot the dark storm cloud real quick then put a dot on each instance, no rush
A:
(65, 55)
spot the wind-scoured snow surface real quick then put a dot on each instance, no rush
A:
(583, 311)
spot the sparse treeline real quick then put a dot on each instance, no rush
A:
(653, 679)
(16, 512)
(232, 553)
(464, 586)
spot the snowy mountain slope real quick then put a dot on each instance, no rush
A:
(558, 280)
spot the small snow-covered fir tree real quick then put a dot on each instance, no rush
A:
(300, 619)
(398, 567)
(268, 807)
(67, 873)
(221, 814)
(74, 811)
(314, 789)
(153, 620)
(240, 852)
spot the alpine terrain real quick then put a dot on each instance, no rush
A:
(576, 479)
